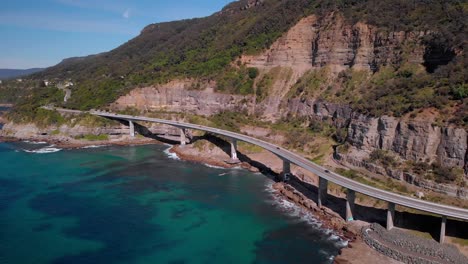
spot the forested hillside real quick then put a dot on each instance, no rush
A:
(206, 48)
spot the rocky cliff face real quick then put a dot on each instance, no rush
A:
(329, 41)
(177, 96)
(416, 140)
(315, 43)
(412, 140)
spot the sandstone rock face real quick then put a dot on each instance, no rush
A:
(177, 97)
(410, 139)
(330, 41)
(293, 50)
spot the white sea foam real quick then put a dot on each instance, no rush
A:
(170, 154)
(212, 166)
(45, 150)
(93, 146)
(35, 142)
(304, 215)
(327, 255)
(342, 243)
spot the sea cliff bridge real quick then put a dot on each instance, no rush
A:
(324, 175)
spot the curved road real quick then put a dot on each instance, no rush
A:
(287, 155)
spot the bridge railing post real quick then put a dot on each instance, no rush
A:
(131, 128)
(390, 216)
(322, 191)
(182, 137)
(350, 197)
(442, 229)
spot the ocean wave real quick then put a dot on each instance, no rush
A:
(93, 146)
(213, 166)
(327, 255)
(35, 142)
(45, 150)
(170, 154)
(303, 215)
(298, 212)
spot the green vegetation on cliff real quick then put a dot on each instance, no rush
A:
(205, 49)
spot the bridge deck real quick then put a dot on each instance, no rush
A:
(291, 157)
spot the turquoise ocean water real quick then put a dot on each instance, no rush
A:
(136, 204)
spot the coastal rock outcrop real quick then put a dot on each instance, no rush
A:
(178, 96)
(331, 41)
(416, 140)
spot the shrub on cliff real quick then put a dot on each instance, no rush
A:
(383, 157)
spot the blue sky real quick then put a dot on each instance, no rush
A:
(40, 33)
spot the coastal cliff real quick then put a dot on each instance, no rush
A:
(316, 42)
(316, 51)
(177, 96)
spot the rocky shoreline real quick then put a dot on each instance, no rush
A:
(69, 143)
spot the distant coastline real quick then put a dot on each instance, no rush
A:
(14, 73)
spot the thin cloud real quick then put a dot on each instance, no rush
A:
(126, 14)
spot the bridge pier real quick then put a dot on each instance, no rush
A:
(234, 158)
(442, 229)
(350, 197)
(182, 137)
(322, 191)
(132, 128)
(286, 169)
(390, 216)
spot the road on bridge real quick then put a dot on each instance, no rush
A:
(439, 209)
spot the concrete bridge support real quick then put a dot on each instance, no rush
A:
(390, 215)
(182, 137)
(322, 191)
(350, 197)
(286, 169)
(442, 230)
(132, 128)
(234, 158)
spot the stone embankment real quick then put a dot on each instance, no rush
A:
(407, 248)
